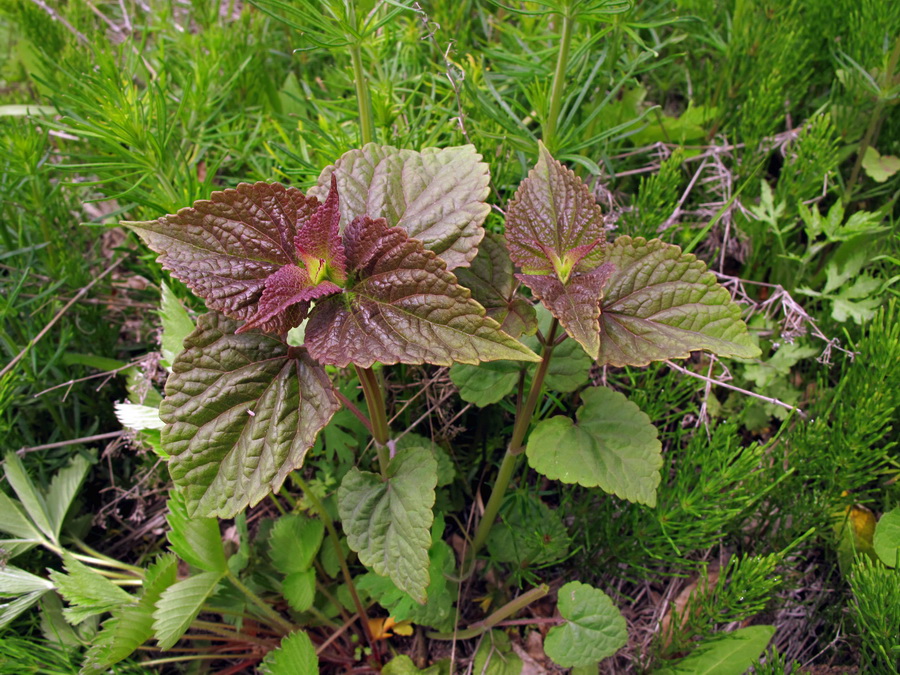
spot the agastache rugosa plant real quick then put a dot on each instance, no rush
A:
(365, 258)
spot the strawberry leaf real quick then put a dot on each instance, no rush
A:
(490, 278)
(553, 224)
(436, 195)
(226, 247)
(402, 306)
(660, 303)
(241, 411)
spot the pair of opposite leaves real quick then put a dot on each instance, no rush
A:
(369, 264)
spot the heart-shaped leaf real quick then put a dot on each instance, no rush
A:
(388, 523)
(436, 195)
(490, 278)
(886, 540)
(241, 411)
(660, 303)
(595, 628)
(226, 247)
(613, 445)
(402, 306)
(485, 383)
(879, 167)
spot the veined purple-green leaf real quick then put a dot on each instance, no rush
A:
(553, 223)
(436, 195)
(660, 303)
(226, 247)
(490, 278)
(402, 306)
(241, 411)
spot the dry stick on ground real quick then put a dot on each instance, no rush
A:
(62, 444)
(9, 366)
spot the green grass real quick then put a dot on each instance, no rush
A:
(151, 110)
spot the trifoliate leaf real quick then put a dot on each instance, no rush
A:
(241, 411)
(295, 656)
(495, 656)
(553, 223)
(388, 522)
(176, 325)
(294, 542)
(485, 383)
(87, 592)
(613, 445)
(879, 167)
(729, 654)
(402, 306)
(437, 195)
(299, 589)
(180, 604)
(226, 247)
(661, 304)
(595, 628)
(490, 278)
(197, 541)
(887, 538)
(132, 625)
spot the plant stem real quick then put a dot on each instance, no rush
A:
(263, 606)
(342, 559)
(504, 612)
(198, 657)
(98, 558)
(515, 448)
(363, 101)
(559, 80)
(377, 415)
(874, 122)
(229, 633)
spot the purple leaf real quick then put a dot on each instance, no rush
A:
(575, 303)
(436, 195)
(320, 238)
(402, 306)
(285, 300)
(241, 411)
(226, 247)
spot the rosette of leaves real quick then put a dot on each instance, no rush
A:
(627, 303)
(243, 407)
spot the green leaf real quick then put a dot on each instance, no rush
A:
(87, 592)
(437, 195)
(485, 383)
(294, 542)
(886, 540)
(31, 499)
(180, 604)
(197, 541)
(879, 167)
(131, 626)
(241, 411)
(495, 656)
(595, 628)
(299, 589)
(176, 325)
(613, 445)
(14, 521)
(63, 487)
(295, 656)
(15, 581)
(10, 610)
(446, 469)
(490, 278)
(729, 654)
(530, 532)
(661, 304)
(403, 665)
(402, 306)
(225, 248)
(388, 522)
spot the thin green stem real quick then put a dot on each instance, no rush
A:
(100, 559)
(515, 448)
(559, 80)
(504, 612)
(198, 657)
(377, 415)
(229, 633)
(261, 604)
(366, 122)
(342, 559)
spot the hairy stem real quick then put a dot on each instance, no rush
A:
(377, 415)
(261, 604)
(559, 80)
(342, 559)
(515, 448)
